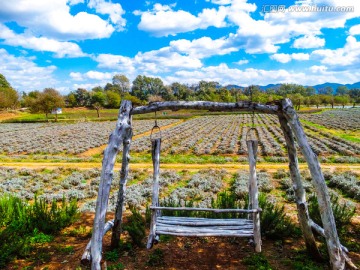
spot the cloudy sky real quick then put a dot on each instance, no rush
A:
(68, 44)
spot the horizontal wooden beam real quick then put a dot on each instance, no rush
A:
(206, 105)
(206, 209)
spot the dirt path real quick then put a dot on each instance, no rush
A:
(98, 150)
(232, 167)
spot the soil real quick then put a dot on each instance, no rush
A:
(179, 253)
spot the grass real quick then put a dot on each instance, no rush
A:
(352, 136)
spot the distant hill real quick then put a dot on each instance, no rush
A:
(317, 87)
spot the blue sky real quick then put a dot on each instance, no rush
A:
(67, 44)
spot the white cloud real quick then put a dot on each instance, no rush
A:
(285, 58)
(318, 69)
(75, 2)
(347, 56)
(307, 42)
(96, 75)
(220, 2)
(242, 62)
(76, 76)
(28, 41)
(281, 57)
(23, 74)
(355, 30)
(163, 21)
(162, 60)
(225, 75)
(53, 19)
(300, 56)
(202, 47)
(115, 12)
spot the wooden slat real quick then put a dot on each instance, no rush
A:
(206, 209)
(196, 231)
(204, 222)
(189, 226)
(221, 227)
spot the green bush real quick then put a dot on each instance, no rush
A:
(135, 226)
(274, 222)
(156, 258)
(257, 261)
(25, 227)
(343, 212)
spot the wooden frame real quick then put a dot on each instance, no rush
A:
(291, 127)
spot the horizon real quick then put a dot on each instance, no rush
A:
(70, 44)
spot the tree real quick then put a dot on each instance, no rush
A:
(342, 90)
(9, 97)
(144, 86)
(134, 100)
(45, 101)
(315, 100)
(342, 100)
(122, 82)
(97, 101)
(82, 97)
(328, 90)
(355, 95)
(181, 91)
(71, 100)
(112, 99)
(310, 91)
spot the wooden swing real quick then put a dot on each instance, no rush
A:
(201, 227)
(292, 129)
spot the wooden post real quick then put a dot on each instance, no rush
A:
(253, 190)
(123, 125)
(86, 257)
(155, 143)
(337, 258)
(116, 232)
(300, 194)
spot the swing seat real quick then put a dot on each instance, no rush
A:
(200, 227)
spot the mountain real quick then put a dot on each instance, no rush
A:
(317, 87)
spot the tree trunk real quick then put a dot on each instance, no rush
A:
(337, 258)
(98, 112)
(123, 126)
(56, 117)
(300, 194)
(117, 229)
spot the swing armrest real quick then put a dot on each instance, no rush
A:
(258, 210)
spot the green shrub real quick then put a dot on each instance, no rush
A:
(112, 256)
(343, 212)
(26, 227)
(273, 220)
(257, 261)
(156, 258)
(135, 226)
(118, 266)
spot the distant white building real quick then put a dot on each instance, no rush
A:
(56, 111)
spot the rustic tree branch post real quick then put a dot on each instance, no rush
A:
(337, 258)
(86, 257)
(300, 194)
(155, 151)
(116, 232)
(123, 126)
(252, 146)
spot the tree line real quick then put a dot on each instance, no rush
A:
(149, 89)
